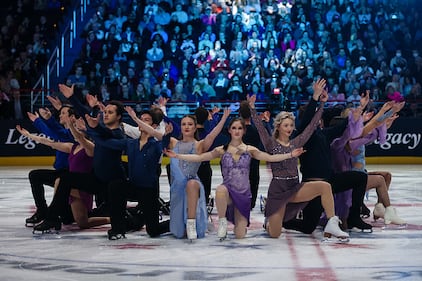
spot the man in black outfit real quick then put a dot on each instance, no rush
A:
(313, 165)
(107, 164)
(251, 137)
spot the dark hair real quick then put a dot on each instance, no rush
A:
(71, 109)
(244, 110)
(120, 109)
(201, 114)
(146, 112)
(230, 124)
(157, 115)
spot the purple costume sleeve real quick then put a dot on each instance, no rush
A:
(342, 162)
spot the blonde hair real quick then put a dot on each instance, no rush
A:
(279, 118)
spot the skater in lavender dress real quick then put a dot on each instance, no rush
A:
(188, 211)
(233, 196)
(286, 194)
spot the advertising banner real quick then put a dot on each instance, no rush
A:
(403, 139)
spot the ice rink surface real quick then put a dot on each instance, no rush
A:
(73, 254)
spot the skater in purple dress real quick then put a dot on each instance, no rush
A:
(233, 196)
(80, 162)
(286, 194)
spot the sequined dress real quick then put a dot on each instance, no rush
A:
(181, 171)
(285, 182)
(236, 179)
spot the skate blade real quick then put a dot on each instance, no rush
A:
(355, 229)
(221, 239)
(335, 240)
(48, 231)
(394, 226)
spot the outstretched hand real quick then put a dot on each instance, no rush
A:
(170, 153)
(265, 116)
(251, 100)
(79, 124)
(22, 131)
(318, 88)
(55, 101)
(297, 152)
(364, 100)
(130, 111)
(32, 116)
(66, 90)
(45, 113)
(226, 112)
(92, 100)
(92, 122)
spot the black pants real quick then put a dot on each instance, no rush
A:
(205, 175)
(254, 180)
(87, 182)
(38, 178)
(121, 190)
(340, 182)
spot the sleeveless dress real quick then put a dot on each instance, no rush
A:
(285, 181)
(80, 162)
(236, 179)
(182, 171)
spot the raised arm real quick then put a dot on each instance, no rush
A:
(267, 141)
(206, 143)
(318, 88)
(384, 113)
(303, 137)
(61, 146)
(144, 126)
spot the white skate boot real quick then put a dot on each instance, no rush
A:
(333, 229)
(191, 229)
(391, 217)
(379, 211)
(222, 228)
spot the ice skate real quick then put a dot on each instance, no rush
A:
(36, 218)
(262, 202)
(47, 225)
(364, 211)
(391, 217)
(358, 225)
(379, 211)
(222, 228)
(164, 206)
(210, 205)
(115, 235)
(191, 230)
(332, 230)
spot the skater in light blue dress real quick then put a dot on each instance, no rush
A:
(188, 212)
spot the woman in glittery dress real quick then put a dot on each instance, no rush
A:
(188, 212)
(286, 194)
(233, 196)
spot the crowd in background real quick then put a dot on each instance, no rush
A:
(28, 32)
(137, 51)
